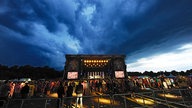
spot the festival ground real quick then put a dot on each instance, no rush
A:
(174, 98)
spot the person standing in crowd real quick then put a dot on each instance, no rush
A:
(97, 86)
(25, 91)
(12, 87)
(31, 89)
(132, 88)
(46, 91)
(17, 90)
(79, 93)
(69, 95)
(60, 93)
(4, 92)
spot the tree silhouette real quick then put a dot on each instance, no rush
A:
(46, 72)
(28, 71)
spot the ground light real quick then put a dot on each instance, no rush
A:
(171, 96)
(142, 101)
(101, 100)
(105, 101)
(53, 95)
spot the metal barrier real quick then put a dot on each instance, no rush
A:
(181, 97)
(153, 98)
(96, 101)
(3, 103)
(33, 103)
(157, 98)
(130, 100)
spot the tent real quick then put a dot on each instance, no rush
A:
(25, 79)
(170, 76)
(190, 75)
(143, 77)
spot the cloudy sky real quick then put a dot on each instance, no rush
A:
(155, 35)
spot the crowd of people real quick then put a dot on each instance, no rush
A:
(43, 88)
(36, 89)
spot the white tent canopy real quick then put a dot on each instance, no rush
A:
(21, 80)
(171, 76)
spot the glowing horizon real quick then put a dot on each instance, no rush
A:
(180, 60)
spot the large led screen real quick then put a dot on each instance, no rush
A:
(119, 74)
(72, 75)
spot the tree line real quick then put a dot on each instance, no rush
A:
(27, 71)
(155, 74)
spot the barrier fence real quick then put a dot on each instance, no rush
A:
(152, 98)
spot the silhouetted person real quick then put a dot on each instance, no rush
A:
(25, 91)
(79, 92)
(60, 93)
(4, 92)
(69, 94)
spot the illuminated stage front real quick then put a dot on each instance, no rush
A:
(94, 67)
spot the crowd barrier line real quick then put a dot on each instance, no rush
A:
(112, 98)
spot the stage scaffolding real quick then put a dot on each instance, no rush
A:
(80, 67)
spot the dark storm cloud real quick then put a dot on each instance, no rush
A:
(164, 22)
(38, 31)
(157, 26)
(45, 31)
(166, 27)
(21, 53)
